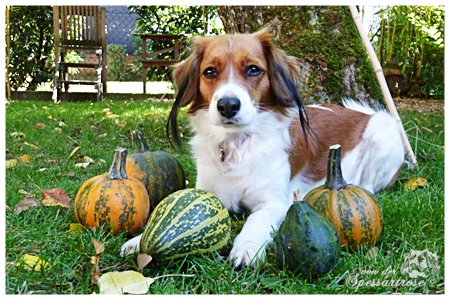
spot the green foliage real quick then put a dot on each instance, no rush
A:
(117, 68)
(31, 33)
(175, 19)
(414, 36)
(326, 40)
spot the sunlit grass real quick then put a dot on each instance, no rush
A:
(413, 220)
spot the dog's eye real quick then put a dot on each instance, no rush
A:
(253, 70)
(210, 73)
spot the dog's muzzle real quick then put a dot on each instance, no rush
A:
(228, 107)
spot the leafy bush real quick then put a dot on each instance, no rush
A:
(174, 19)
(31, 36)
(117, 68)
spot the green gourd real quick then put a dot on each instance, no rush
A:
(306, 243)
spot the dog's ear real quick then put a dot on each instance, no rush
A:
(283, 74)
(186, 80)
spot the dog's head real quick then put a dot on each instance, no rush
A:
(234, 77)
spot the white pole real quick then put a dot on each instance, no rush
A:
(382, 81)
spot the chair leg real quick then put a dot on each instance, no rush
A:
(99, 84)
(144, 79)
(57, 83)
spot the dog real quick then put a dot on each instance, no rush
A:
(255, 143)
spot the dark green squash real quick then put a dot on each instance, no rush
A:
(160, 172)
(353, 211)
(306, 243)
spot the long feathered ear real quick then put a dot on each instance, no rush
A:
(186, 80)
(283, 74)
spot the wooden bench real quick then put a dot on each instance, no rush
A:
(149, 61)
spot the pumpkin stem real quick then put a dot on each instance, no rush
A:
(140, 140)
(334, 173)
(117, 169)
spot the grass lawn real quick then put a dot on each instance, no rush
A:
(413, 219)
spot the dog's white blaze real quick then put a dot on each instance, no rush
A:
(244, 116)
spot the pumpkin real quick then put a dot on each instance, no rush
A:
(112, 199)
(354, 211)
(306, 243)
(160, 172)
(189, 221)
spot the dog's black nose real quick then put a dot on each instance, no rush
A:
(228, 107)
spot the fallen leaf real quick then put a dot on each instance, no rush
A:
(143, 259)
(23, 192)
(126, 282)
(70, 173)
(57, 129)
(40, 125)
(27, 203)
(26, 158)
(62, 124)
(10, 163)
(18, 135)
(31, 145)
(73, 152)
(99, 248)
(32, 262)
(76, 227)
(8, 208)
(55, 196)
(81, 165)
(87, 159)
(372, 253)
(415, 182)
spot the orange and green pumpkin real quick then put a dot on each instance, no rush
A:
(354, 211)
(112, 199)
(160, 172)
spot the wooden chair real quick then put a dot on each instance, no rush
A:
(81, 29)
(148, 61)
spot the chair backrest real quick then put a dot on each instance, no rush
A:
(81, 26)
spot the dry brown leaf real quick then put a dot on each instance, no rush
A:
(55, 196)
(143, 259)
(27, 203)
(40, 125)
(99, 248)
(26, 158)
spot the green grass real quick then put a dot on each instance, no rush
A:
(414, 220)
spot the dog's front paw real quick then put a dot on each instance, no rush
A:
(247, 253)
(131, 246)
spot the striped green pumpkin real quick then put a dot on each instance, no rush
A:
(189, 221)
(354, 211)
(160, 172)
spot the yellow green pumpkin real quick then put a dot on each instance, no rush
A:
(113, 199)
(354, 212)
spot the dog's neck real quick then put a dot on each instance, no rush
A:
(231, 145)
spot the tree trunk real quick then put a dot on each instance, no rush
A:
(325, 39)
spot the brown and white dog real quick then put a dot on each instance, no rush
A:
(255, 143)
